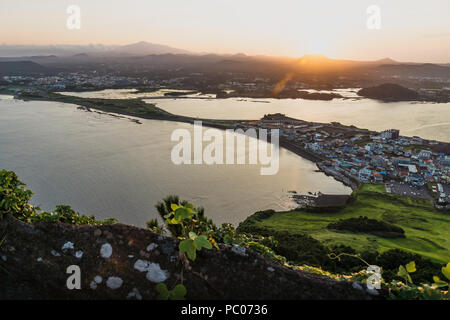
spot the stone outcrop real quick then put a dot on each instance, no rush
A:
(125, 262)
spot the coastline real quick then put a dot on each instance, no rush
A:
(140, 109)
(160, 114)
(305, 154)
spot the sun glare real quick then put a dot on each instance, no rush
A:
(317, 47)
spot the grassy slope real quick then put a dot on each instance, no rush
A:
(427, 230)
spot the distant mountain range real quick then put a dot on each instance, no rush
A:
(145, 48)
(135, 49)
(144, 56)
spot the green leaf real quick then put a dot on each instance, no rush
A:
(179, 292)
(439, 283)
(409, 279)
(188, 247)
(163, 292)
(174, 206)
(202, 242)
(411, 267)
(404, 274)
(446, 271)
(192, 235)
(181, 213)
(402, 271)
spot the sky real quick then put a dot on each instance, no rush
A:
(414, 30)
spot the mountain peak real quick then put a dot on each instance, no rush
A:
(387, 61)
(146, 48)
(140, 43)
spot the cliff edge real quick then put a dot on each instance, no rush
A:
(125, 262)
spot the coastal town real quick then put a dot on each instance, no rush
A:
(227, 84)
(409, 166)
(73, 80)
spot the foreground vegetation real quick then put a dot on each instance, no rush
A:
(426, 230)
(196, 233)
(14, 200)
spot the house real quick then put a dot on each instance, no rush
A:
(390, 134)
(401, 160)
(377, 177)
(365, 174)
(403, 172)
(315, 147)
(411, 168)
(378, 161)
(425, 154)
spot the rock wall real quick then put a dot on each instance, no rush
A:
(124, 262)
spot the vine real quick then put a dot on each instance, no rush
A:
(334, 256)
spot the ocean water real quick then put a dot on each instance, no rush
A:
(427, 120)
(112, 167)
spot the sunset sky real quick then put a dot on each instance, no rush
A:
(413, 30)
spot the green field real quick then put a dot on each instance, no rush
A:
(427, 230)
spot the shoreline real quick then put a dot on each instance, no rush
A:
(138, 108)
(301, 152)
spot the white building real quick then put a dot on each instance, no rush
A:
(425, 154)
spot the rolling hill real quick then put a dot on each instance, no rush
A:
(22, 68)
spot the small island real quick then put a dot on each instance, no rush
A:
(389, 92)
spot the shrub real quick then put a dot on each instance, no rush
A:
(366, 225)
(65, 214)
(197, 222)
(391, 259)
(14, 200)
(14, 197)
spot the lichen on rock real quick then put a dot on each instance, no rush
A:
(106, 251)
(114, 282)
